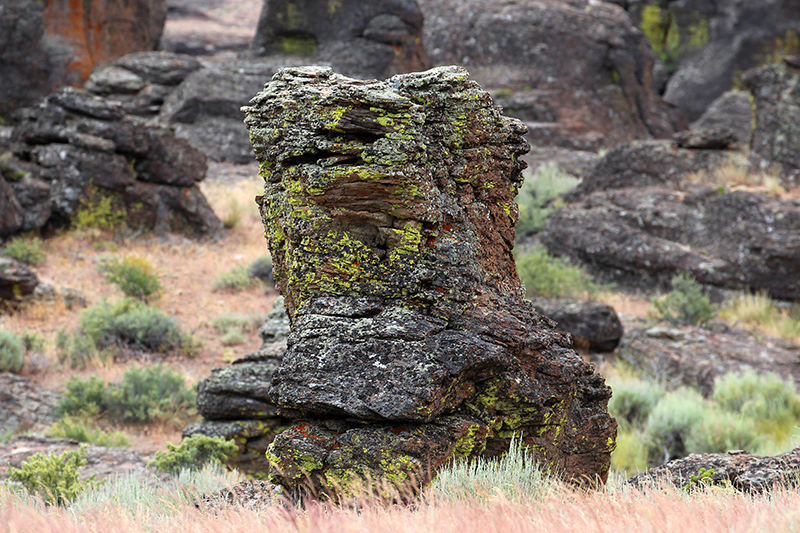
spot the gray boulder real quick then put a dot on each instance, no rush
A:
(732, 112)
(17, 280)
(593, 326)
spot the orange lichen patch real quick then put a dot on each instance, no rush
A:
(80, 27)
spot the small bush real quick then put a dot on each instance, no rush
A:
(133, 324)
(78, 428)
(633, 400)
(53, 477)
(144, 394)
(78, 350)
(233, 326)
(685, 304)
(552, 277)
(33, 342)
(193, 453)
(721, 431)
(670, 422)
(25, 250)
(539, 196)
(11, 350)
(99, 211)
(261, 269)
(236, 279)
(134, 275)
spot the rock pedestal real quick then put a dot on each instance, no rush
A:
(389, 211)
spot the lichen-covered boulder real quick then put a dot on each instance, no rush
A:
(776, 138)
(389, 211)
(363, 39)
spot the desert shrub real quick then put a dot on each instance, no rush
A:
(552, 277)
(720, 431)
(78, 350)
(149, 393)
(33, 342)
(633, 400)
(670, 422)
(53, 477)
(134, 324)
(99, 211)
(685, 304)
(236, 279)
(193, 453)
(516, 476)
(233, 326)
(758, 312)
(261, 269)
(134, 275)
(144, 394)
(11, 351)
(79, 428)
(630, 453)
(232, 338)
(769, 400)
(25, 250)
(539, 196)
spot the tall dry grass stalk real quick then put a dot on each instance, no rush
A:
(736, 173)
(564, 510)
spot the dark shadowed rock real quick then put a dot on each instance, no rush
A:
(694, 357)
(362, 39)
(705, 139)
(641, 237)
(776, 138)
(17, 280)
(77, 148)
(737, 469)
(732, 112)
(593, 326)
(577, 72)
(389, 212)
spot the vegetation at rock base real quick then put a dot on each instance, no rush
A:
(749, 411)
(81, 428)
(193, 453)
(53, 477)
(11, 351)
(99, 211)
(236, 279)
(757, 311)
(540, 195)
(685, 304)
(546, 276)
(25, 250)
(133, 274)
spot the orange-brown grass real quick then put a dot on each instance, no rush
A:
(187, 269)
(625, 304)
(564, 510)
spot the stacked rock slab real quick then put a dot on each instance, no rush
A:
(389, 211)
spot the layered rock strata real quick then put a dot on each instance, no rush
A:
(389, 211)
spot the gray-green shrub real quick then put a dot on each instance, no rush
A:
(552, 277)
(11, 352)
(236, 279)
(720, 431)
(25, 250)
(80, 428)
(686, 303)
(193, 453)
(53, 477)
(539, 196)
(670, 422)
(134, 275)
(634, 399)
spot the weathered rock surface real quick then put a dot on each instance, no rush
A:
(235, 402)
(738, 469)
(711, 43)
(577, 72)
(646, 164)
(776, 138)
(17, 280)
(732, 112)
(23, 406)
(362, 39)
(76, 148)
(47, 45)
(593, 326)
(390, 219)
(694, 357)
(641, 237)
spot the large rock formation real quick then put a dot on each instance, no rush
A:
(776, 138)
(44, 45)
(389, 210)
(373, 39)
(578, 72)
(77, 150)
(708, 44)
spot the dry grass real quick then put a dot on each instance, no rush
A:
(187, 270)
(564, 510)
(736, 174)
(758, 312)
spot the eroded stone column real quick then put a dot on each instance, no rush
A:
(389, 211)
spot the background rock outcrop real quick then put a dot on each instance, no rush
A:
(362, 39)
(578, 72)
(389, 212)
(45, 45)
